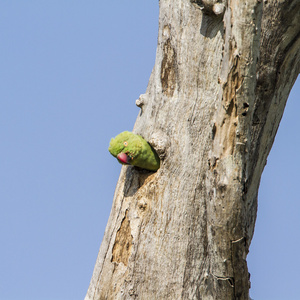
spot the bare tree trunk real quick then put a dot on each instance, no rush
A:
(215, 98)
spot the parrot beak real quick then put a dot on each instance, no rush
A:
(123, 158)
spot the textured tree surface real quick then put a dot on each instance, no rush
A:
(215, 99)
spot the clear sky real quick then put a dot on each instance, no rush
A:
(70, 72)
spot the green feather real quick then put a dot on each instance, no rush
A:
(138, 151)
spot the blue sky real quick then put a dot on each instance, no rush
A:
(70, 74)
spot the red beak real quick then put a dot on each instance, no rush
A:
(123, 158)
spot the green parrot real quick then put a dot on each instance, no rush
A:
(132, 149)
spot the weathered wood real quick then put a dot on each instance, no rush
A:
(215, 98)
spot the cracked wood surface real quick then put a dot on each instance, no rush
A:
(212, 107)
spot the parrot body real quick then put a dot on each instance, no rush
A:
(132, 149)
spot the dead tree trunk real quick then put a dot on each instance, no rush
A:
(216, 95)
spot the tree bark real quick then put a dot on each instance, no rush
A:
(215, 98)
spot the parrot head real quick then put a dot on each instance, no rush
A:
(130, 148)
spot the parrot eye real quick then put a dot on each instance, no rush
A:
(125, 144)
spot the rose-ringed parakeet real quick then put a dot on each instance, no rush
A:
(132, 149)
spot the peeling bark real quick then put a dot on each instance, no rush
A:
(123, 243)
(215, 98)
(169, 70)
